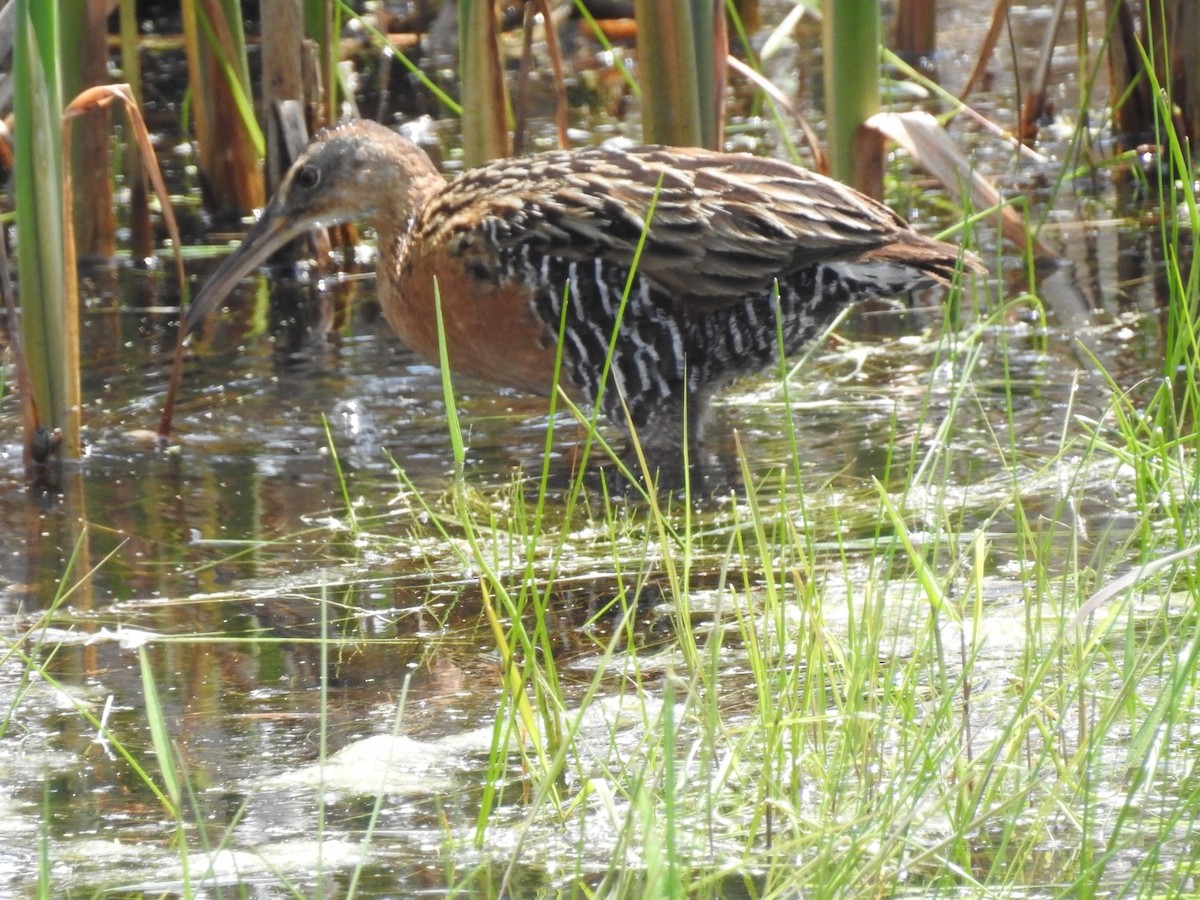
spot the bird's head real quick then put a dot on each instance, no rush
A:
(355, 171)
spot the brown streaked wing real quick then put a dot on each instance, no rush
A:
(724, 226)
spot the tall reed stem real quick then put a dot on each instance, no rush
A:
(484, 93)
(668, 73)
(45, 251)
(851, 34)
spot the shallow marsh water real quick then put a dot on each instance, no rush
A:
(218, 568)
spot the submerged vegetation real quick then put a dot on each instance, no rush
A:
(935, 632)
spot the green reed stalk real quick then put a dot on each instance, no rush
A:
(711, 35)
(159, 735)
(45, 253)
(668, 71)
(484, 93)
(850, 32)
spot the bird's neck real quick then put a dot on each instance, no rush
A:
(418, 183)
(426, 182)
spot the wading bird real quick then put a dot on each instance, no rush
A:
(738, 251)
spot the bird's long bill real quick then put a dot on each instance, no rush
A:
(270, 233)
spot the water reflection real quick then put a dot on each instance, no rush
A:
(254, 460)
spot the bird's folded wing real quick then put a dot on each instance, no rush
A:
(718, 227)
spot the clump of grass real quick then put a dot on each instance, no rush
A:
(955, 703)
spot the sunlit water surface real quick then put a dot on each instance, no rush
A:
(172, 561)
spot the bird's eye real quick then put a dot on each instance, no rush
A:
(308, 177)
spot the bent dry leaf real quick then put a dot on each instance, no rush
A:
(104, 95)
(1128, 580)
(923, 137)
